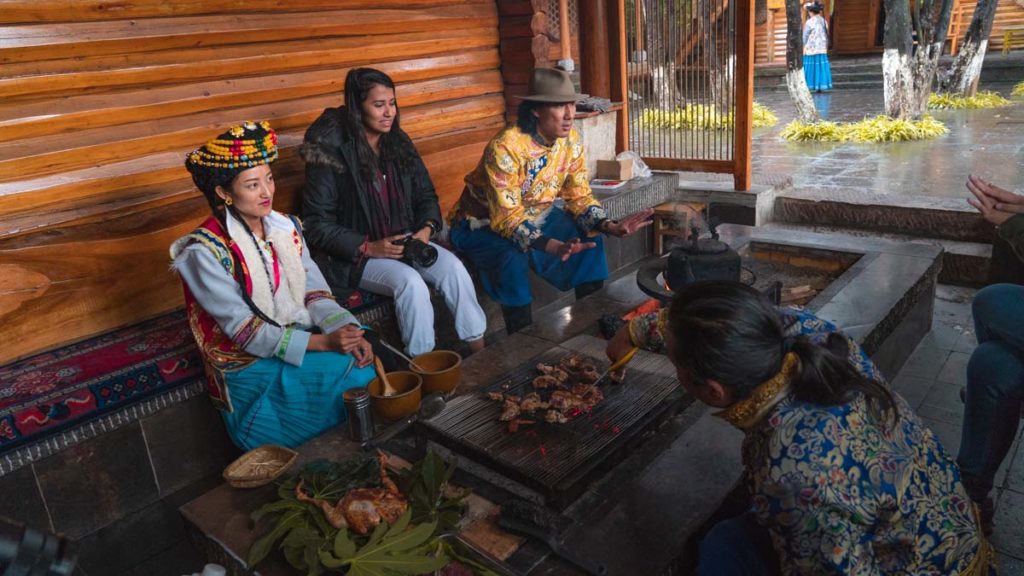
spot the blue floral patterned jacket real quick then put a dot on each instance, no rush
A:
(839, 491)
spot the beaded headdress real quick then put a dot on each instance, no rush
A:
(244, 146)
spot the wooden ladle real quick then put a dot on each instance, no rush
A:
(389, 390)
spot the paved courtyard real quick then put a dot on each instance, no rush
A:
(986, 142)
(930, 382)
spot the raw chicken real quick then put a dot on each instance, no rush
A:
(362, 508)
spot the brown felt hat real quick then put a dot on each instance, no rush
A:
(551, 85)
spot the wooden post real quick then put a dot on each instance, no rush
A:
(744, 94)
(566, 38)
(617, 67)
(638, 24)
(769, 37)
(594, 57)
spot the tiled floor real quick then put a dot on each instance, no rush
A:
(931, 380)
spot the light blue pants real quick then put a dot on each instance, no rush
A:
(408, 286)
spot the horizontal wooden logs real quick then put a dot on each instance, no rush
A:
(26, 43)
(46, 155)
(71, 113)
(112, 180)
(21, 11)
(204, 64)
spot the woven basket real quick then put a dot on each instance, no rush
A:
(259, 466)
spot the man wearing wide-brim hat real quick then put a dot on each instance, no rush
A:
(507, 221)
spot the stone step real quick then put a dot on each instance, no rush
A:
(917, 216)
(963, 263)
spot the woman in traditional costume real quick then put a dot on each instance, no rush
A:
(279, 350)
(367, 195)
(817, 70)
(844, 477)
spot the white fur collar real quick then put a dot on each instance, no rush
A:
(287, 305)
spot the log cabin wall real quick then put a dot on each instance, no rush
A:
(1009, 14)
(100, 101)
(529, 32)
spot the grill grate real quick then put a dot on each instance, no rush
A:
(554, 458)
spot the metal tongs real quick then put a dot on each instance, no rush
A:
(618, 365)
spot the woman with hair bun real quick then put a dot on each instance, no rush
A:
(279, 351)
(843, 476)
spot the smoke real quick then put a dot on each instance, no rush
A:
(683, 219)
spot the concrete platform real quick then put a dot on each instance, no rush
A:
(681, 476)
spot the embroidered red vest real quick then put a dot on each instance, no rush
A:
(219, 351)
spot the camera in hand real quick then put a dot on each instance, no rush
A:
(417, 252)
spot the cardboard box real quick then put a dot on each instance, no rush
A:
(615, 169)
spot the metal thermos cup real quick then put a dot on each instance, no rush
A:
(360, 418)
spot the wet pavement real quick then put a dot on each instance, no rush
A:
(986, 142)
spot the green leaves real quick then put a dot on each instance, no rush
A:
(395, 549)
(310, 544)
(425, 486)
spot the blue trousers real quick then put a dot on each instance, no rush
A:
(995, 386)
(504, 270)
(737, 547)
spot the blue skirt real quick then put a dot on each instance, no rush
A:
(818, 72)
(279, 403)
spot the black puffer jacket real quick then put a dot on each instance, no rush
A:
(335, 207)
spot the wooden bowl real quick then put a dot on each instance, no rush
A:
(405, 403)
(259, 466)
(441, 370)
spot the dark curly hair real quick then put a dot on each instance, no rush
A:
(396, 148)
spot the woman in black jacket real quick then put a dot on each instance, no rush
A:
(368, 200)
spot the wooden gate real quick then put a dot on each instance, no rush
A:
(690, 84)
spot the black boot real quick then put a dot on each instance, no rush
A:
(517, 317)
(588, 288)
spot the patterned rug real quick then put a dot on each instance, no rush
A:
(54, 391)
(49, 393)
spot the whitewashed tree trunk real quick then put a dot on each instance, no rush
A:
(796, 82)
(663, 81)
(907, 74)
(963, 74)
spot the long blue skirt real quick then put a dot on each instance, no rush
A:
(818, 72)
(279, 403)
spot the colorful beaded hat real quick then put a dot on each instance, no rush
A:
(244, 146)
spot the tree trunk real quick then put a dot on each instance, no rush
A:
(720, 70)
(660, 53)
(795, 80)
(908, 73)
(962, 76)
